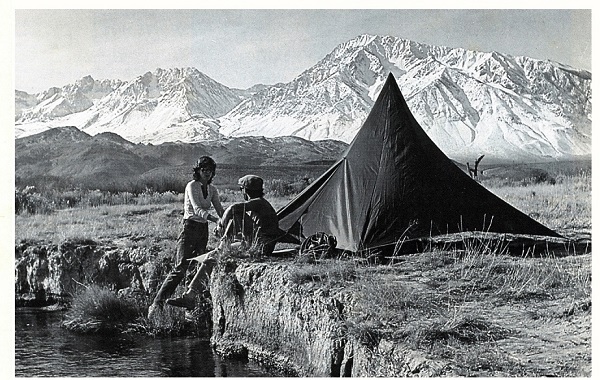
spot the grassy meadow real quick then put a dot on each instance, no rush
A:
(560, 200)
(484, 312)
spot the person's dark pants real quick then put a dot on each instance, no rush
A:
(191, 243)
(266, 244)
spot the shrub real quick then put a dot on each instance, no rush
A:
(29, 201)
(170, 321)
(152, 197)
(230, 196)
(281, 188)
(538, 176)
(98, 309)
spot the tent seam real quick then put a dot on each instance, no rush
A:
(368, 216)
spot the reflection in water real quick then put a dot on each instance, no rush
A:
(43, 348)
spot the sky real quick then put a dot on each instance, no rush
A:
(243, 47)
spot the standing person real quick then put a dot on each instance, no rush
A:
(255, 219)
(198, 197)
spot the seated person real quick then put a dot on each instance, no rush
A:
(254, 220)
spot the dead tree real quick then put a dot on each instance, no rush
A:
(473, 172)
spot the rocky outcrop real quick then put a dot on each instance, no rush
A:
(259, 313)
(46, 274)
(391, 359)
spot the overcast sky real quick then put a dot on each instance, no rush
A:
(240, 48)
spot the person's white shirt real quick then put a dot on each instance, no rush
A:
(195, 206)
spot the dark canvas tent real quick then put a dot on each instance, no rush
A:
(394, 182)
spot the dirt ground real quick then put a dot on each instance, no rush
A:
(547, 336)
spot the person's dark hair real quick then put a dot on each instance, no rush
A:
(205, 162)
(255, 193)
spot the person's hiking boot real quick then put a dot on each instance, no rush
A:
(187, 300)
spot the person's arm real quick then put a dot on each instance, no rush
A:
(233, 210)
(211, 218)
(229, 214)
(216, 202)
(199, 212)
(223, 222)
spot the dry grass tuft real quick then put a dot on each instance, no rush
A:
(329, 273)
(96, 309)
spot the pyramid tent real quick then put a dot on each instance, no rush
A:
(393, 182)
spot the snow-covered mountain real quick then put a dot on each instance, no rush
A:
(469, 102)
(159, 106)
(57, 102)
(38, 112)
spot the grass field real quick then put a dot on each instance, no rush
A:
(563, 204)
(484, 311)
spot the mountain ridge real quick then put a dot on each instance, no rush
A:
(468, 102)
(69, 155)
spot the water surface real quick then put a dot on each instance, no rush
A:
(43, 348)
